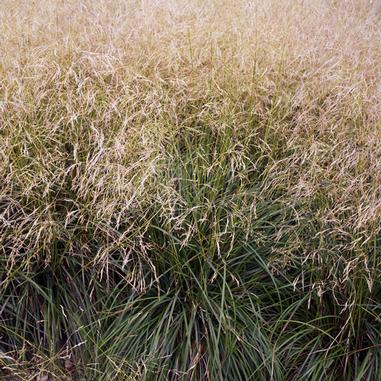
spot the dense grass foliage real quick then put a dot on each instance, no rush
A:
(190, 190)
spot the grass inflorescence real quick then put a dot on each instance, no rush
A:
(190, 190)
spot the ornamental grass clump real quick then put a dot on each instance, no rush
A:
(190, 190)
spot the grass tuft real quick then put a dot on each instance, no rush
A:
(190, 190)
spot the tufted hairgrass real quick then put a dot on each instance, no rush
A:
(190, 190)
